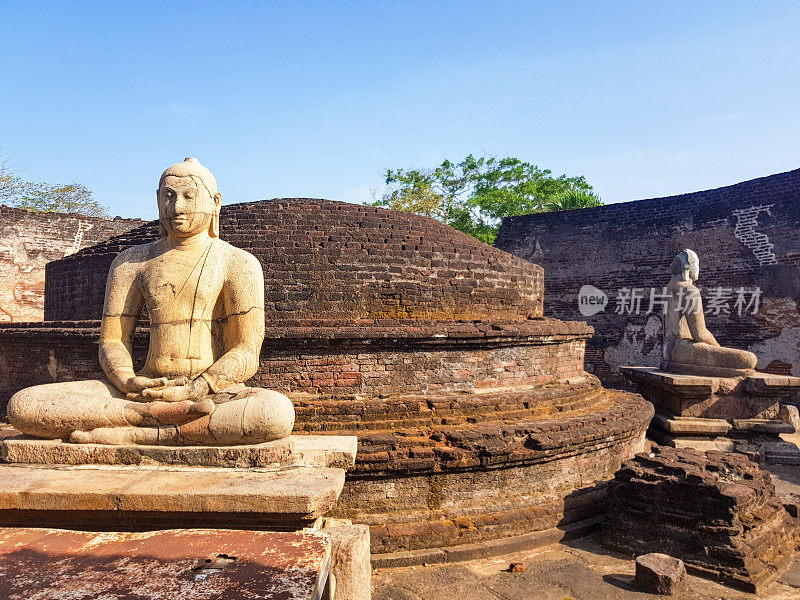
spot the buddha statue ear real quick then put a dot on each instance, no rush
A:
(162, 231)
(214, 228)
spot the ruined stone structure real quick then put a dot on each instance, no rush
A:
(748, 235)
(29, 240)
(476, 421)
(717, 511)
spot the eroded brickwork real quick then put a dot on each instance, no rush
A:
(313, 251)
(717, 511)
(375, 362)
(29, 240)
(746, 235)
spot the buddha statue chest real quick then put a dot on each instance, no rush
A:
(180, 286)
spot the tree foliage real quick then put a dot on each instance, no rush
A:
(474, 194)
(573, 199)
(46, 197)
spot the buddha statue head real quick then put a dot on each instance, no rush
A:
(687, 265)
(188, 200)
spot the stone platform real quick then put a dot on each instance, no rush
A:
(309, 450)
(287, 484)
(100, 497)
(197, 564)
(21, 449)
(124, 491)
(718, 413)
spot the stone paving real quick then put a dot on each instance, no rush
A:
(578, 570)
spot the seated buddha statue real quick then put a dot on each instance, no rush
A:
(205, 301)
(689, 347)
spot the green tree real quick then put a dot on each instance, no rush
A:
(46, 197)
(474, 194)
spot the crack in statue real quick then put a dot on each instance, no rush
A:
(205, 300)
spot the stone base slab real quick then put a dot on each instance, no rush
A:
(696, 442)
(351, 571)
(56, 452)
(779, 453)
(691, 425)
(771, 427)
(714, 413)
(767, 451)
(672, 367)
(715, 427)
(755, 437)
(136, 498)
(335, 451)
(55, 564)
(310, 450)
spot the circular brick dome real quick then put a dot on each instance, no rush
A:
(331, 262)
(476, 421)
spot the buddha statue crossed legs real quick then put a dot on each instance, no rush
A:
(205, 300)
(689, 347)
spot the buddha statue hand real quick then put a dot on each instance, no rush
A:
(137, 384)
(179, 389)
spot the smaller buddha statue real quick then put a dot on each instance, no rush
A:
(689, 347)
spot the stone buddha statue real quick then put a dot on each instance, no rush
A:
(205, 301)
(688, 346)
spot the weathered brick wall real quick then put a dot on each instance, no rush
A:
(29, 240)
(746, 235)
(334, 262)
(371, 360)
(467, 432)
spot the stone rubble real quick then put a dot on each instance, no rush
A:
(660, 574)
(716, 511)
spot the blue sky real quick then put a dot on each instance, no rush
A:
(315, 99)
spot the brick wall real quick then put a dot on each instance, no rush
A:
(376, 361)
(746, 235)
(334, 262)
(29, 240)
(467, 432)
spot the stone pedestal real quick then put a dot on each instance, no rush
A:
(719, 413)
(335, 451)
(287, 485)
(284, 485)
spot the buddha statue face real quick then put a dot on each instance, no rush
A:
(694, 267)
(687, 265)
(184, 208)
(188, 200)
